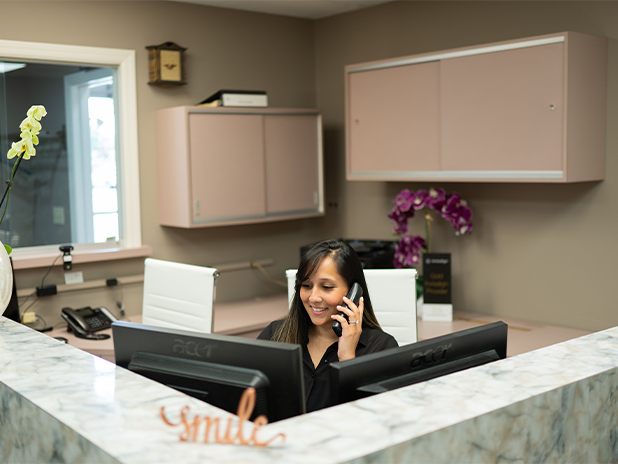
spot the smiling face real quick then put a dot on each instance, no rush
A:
(322, 291)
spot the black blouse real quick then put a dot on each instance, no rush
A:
(317, 379)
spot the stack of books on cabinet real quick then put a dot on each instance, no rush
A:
(236, 98)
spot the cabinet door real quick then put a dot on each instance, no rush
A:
(503, 111)
(393, 121)
(292, 162)
(227, 166)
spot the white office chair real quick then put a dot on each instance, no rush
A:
(393, 295)
(178, 296)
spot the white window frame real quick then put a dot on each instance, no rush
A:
(76, 86)
(124, 62)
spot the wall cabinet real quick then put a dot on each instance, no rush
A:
(220, 166)
(529, 110)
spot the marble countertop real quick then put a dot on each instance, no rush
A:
(118, 411)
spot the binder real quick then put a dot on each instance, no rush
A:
(256, 98)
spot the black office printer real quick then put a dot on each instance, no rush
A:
(373, 254)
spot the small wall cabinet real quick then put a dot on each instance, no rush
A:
(221, 166)
(529, 110)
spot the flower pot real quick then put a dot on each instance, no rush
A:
(6, 278)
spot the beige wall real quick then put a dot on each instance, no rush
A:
(538, 252)
(226, 49)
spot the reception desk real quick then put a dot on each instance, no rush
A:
(558, 403)
(247, 318)
(243, 318)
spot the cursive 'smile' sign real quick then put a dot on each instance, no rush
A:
(216, 430)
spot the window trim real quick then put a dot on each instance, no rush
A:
(46, 256)
(124, 62)
(76, 91)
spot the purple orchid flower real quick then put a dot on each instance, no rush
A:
(450, 206)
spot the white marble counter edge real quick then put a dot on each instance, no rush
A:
(118, 411)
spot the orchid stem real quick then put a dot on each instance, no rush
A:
(428, 221)
(9, 186)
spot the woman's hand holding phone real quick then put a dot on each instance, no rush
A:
(348, 325)
(354, 295)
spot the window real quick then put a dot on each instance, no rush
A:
(83, 185)
(91, 133)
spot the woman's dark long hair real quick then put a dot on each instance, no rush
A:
(295, 327)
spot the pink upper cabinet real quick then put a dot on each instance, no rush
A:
(529, 110)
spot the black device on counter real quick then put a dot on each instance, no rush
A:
(417, 362)
(354, 294)
(67, 259)
(85, 321)
(373, 254)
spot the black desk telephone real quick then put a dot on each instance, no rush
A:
(84, 321)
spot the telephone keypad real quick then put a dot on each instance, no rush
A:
(94, 322)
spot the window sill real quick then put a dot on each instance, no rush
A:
(31, 259)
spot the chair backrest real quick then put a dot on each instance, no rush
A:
(178, 296)
(393, 295)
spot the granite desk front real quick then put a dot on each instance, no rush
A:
(559, 403)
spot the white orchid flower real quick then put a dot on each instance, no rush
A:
(30, 124)
(24, 148)
(14, 151)
(37, 112)
(29, 149)
(27, 135)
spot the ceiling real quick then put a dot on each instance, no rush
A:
(311, 9)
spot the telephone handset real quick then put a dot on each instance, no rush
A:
(84, 321)
(354, 294)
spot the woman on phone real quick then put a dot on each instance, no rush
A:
(327, 272)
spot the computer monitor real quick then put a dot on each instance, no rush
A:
(216, 368)
(417, 362)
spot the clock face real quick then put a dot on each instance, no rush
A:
(170, 65)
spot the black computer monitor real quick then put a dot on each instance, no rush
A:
(417, 362)
(216, 368)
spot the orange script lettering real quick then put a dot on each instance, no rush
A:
(212, 425)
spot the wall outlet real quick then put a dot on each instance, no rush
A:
(73, 277)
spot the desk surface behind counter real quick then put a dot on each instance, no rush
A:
(557, 403)
(248, 317)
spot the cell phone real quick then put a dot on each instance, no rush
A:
(354, 294)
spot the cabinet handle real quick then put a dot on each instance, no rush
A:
(552, 106)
